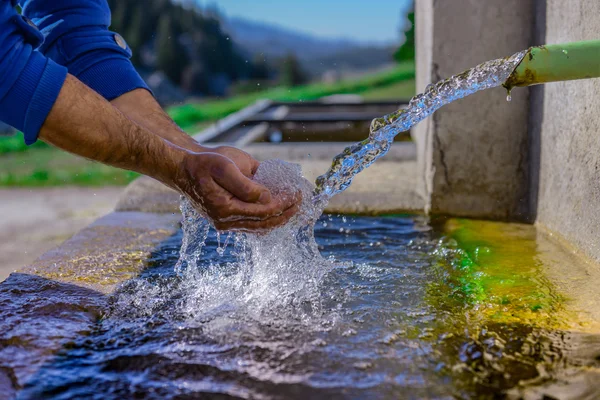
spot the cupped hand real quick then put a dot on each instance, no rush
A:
(222, 190)
(244, 161)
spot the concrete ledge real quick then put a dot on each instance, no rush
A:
(384, 188)
(148, 195)
(574, 272)
(61, 296)
(111, 250)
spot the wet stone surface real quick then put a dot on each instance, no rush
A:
(404, 311)
(53, 302)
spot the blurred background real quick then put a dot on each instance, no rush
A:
(203, 61)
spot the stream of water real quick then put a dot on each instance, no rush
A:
(359, 156)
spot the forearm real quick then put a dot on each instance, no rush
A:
(83, 123)
(140, 106)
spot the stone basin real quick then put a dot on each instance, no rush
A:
(53, 303)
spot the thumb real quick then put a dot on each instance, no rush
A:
(231, 179)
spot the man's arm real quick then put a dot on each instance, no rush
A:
(140, 106)
(85, 124)
(77, 37)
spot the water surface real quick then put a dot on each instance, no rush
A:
(396, 317)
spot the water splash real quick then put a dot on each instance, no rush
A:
(282, 270)
(279, 271)
(359, 156)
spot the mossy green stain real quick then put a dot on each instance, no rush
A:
(494, 274)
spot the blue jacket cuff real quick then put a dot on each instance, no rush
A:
(30, 99)
(43, 99)
(99, 58)
(112, 77)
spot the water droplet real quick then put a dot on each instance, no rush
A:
(349, 332)
(363, 365)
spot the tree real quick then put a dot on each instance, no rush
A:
(194, 79)
(176, 36)
(170, 54)
(118, 17)
(260, 68)
(406, 52)
(291, 72)
(135, 34)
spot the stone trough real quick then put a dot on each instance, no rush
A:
(62, 295)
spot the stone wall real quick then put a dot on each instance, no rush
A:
(568, 162)
(536, 159)
(473, 153)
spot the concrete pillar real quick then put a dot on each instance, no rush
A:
(473, 153)
(568, 120)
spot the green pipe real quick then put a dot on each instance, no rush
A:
(557, 62)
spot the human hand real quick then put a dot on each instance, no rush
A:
(221, 191)
(244, 161)
(83, 123)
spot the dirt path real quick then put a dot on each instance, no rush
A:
(32, 221)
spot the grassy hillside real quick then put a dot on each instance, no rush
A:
(188, 115)
(48, 166)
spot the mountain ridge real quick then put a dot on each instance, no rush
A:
(315, 53)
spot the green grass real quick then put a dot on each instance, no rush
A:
(188, 115)
(16, 144)
(400, 90)
(39, 167)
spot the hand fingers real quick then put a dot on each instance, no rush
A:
(254, 164)
(244, 161)
(279, 204)
(258, 226)
(227, 175)
(221, 206)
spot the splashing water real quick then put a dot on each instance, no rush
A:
(279, 271)
(359, 156)
(282, 270)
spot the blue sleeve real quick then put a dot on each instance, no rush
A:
(29, 82)
(76, 36)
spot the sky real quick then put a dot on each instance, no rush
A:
(363, 20)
